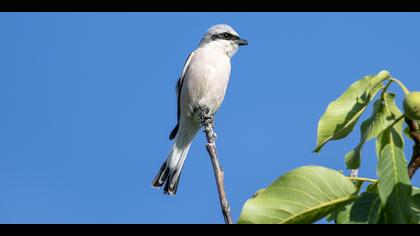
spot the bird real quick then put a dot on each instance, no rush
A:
(202, 84)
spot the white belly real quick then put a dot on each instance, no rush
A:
(205, 81)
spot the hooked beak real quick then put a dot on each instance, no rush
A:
(242, 42)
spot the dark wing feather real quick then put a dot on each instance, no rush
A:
(178, 89)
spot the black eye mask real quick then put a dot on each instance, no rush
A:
(225, 36)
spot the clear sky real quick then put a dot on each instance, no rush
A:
(87, 102)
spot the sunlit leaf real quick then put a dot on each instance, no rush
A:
(415, 201)
(342, 114)
(364, 210)
(385, 112)
(394, 185)
(303, 195)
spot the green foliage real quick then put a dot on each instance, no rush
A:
(303, 195)
(415, 203)
(341, 115)
(385, 113)
(364, 210)
(394, 183)
(310, 193)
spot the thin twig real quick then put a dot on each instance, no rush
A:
(415, 159)
(395, 122)
(208, 125)
(402, 86)
(363, 179)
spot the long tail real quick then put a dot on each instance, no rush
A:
(171, 169)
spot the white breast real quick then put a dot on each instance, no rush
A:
(205, 80)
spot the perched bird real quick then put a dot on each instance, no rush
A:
(203, 83)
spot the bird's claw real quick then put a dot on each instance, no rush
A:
(205, 118)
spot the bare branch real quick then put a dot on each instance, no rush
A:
(208, 124)
(415, 159)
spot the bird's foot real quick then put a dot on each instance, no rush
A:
(209, 120)
(205, 118)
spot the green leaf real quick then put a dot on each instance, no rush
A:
(385, 112)
(415, 203)
(341, 215)
(372, 188)
(365, 210)
(394, 185)
(407, 132)
(303, 195)
(332, 216)
(342, 114)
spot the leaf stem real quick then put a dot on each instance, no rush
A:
(385, 89)
(402, 86)
(395, 122)
(363, 179)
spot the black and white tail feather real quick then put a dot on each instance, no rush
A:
(171, 169)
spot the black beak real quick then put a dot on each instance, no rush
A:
(242, 42)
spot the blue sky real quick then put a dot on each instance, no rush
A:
(87, 103)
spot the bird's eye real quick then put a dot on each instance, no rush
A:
(227, 36)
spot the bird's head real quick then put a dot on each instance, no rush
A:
(223, 36)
